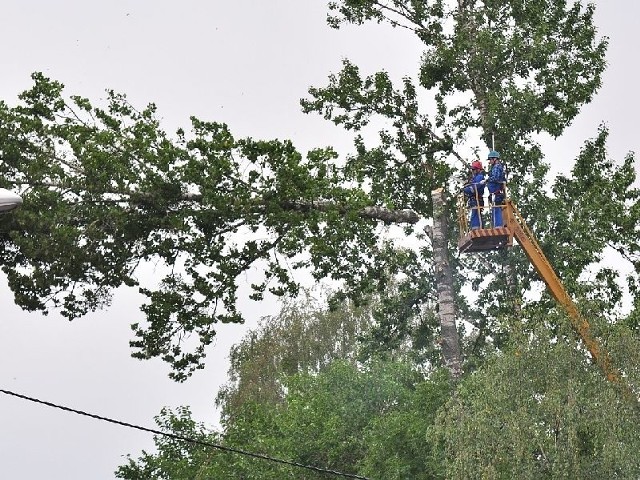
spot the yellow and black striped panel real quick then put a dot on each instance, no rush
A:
(489, 232)
(484, 239)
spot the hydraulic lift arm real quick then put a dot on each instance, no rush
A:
(501, 236)
(518, 228)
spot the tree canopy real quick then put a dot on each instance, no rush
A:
(290, 399)
(536, 410)
(359, 388)
(106, 189)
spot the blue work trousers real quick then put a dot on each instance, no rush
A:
(496, 211)
(476, 214)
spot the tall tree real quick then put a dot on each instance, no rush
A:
(500, 70)
(119, 191)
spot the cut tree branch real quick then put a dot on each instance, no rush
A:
(383, 214)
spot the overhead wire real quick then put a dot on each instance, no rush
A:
(183, 438)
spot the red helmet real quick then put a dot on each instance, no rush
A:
(476, 165)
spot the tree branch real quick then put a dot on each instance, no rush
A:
(383, 214)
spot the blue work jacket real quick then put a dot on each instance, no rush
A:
(476, 185)
(497, 178)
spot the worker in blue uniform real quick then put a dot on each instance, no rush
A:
(496, 185)
(474, 191)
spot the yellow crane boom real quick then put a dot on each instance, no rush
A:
(502, 236)
(516, 224)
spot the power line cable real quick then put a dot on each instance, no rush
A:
(183, 438)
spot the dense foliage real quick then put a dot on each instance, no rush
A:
(358, 389)
(538, 410)
(119, 191)
(335, 416)
(106, 190)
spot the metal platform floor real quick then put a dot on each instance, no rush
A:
(483, 239)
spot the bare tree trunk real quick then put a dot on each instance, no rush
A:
(450, 340)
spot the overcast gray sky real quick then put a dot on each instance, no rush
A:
(246, 63)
